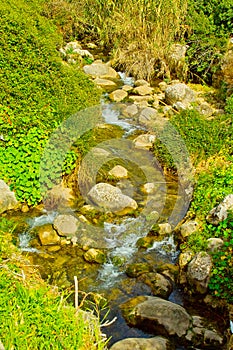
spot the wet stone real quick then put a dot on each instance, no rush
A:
(135, 270)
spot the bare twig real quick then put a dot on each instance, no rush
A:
(76, 292)
(108, 323)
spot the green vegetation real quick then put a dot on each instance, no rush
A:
(33, 314)
(38, 92)
(210, 25)
(221, 283)
(140, 32)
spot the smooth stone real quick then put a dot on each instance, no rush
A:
(148, 115)
(141, 82)
(156, 343)
(157, 315)
(95, 255)
(118, 95)
(47, 235)
(119, 172)
(214, 244)
(143, 90)
(105, 83)
(188, 228)
(111, 198)
(127, 88)
(130, 111)
(144, 141)
(66, 225)
(8, 200)
(199, 271)
(137, 269)
(179, 92)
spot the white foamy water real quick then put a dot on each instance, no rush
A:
(24, 242)
(126, 80)
(122, 239)
(47, 218)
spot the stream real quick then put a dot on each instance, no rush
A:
(118, 236)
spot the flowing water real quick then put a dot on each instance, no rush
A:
(119, 235)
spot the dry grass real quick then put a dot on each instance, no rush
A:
(140, 32)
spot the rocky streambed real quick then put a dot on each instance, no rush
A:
(121, 239)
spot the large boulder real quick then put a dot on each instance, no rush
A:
(158, 315)
(156, 343)
(199, 271)
(7, 198)
(220, 212)
(111, 198)
(179, 95)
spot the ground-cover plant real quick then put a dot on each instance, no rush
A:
(33, 314)
(221, 282)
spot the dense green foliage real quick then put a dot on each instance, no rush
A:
(38, 91)
(221, 282)
(210, 24)
(33, 316)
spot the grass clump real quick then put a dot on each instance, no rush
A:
(33, 314)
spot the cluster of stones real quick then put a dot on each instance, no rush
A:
(147, 102)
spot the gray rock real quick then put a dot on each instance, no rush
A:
(101, 70)
(199, 270)
(143, 90)
(204, 334)
(66, 225)
(7, 198)
(144, 141)
(156, 343)
(105, 83)
(219, 213)
(119, 172)
(179, 93)
(188, 228)
(130, 111)
(161, 286)
(141, 82)
(95, 255)
(141, 101)
(111, 198)
(118, 95)
(214, 244)
(148, 115)
(156, 314)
